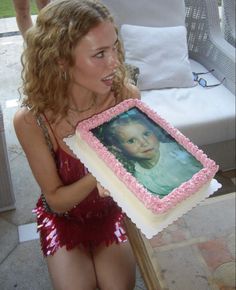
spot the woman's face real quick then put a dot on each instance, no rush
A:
(138, 141)
(95, 60)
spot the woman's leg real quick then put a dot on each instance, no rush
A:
(72, 270)
(41, 3)
(23, 17)
(115, 267)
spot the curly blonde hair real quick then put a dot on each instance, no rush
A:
(58, 29)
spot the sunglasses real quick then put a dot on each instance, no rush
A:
(202, 82)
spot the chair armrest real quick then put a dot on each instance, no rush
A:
(206, 42)
(228, 21)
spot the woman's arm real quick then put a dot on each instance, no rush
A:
(60, 198)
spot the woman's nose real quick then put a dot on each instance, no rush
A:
(113, 61)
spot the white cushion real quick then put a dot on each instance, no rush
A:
(205, 115)
(160, 53)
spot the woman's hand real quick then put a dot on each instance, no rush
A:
(102, 191)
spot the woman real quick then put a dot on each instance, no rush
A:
(72, 69)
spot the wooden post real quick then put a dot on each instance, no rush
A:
(143, 254)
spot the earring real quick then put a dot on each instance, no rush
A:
(64, 75)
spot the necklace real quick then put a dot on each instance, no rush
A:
(93, 102)
(68, 122)
(87, 109)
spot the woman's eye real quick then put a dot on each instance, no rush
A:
(100, 54)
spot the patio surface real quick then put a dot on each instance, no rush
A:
(195, 253)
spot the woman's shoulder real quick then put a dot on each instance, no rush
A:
(25, 123)
(24, 117)
(131, 92)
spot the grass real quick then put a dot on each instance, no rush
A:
(7, 8)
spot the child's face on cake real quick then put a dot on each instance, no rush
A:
(138, 141)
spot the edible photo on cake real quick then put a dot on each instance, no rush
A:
(147, 151)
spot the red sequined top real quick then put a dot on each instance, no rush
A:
(93, 221)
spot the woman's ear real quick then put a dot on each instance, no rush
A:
(62, 64)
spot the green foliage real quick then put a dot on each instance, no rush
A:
(7, 8)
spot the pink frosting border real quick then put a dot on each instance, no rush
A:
(150, 201)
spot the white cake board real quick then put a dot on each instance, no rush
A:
(149, 223)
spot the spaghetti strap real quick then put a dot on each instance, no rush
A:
(51, 129)
(48, 140)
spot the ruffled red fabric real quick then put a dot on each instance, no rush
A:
(94, 221)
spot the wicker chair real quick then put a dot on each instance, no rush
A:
(213, 130)
(206, 43)
(7, 199)
(228, 20)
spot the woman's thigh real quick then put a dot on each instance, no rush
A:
(22, 6)
(72, 270)
(41, 3)
(115, 267)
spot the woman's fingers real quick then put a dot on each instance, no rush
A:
(102, 191)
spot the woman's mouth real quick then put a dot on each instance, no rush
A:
(108, 80)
